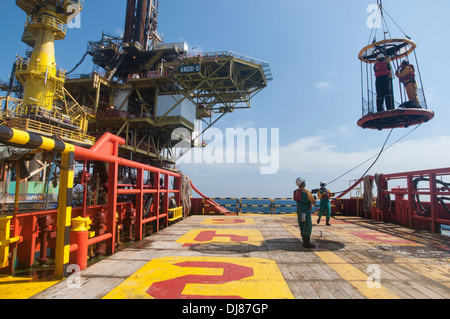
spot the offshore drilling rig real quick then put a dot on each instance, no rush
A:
(152, 94)
(98, 151)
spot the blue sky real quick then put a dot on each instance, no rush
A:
(315, 98)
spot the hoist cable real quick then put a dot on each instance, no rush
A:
(401, 138)
(376, 160)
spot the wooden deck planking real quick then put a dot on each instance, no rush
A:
(306, 274)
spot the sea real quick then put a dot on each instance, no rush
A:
(249, 205)
(445, 230)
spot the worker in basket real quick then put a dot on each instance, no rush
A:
(325, 206)
(407, 76)
(383, 83)
(304, 200)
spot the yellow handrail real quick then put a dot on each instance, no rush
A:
(50, 130)
(27, 110)
(177, 213)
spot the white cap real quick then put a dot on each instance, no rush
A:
(299, 181)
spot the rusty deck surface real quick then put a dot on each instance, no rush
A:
(261, 257)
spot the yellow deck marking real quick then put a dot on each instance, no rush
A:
(348, 272)
(354, 276)
(205, 277)
(235, 236)
(22, 288)
(438, 271)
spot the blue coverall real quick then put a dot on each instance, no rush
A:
(325, 207)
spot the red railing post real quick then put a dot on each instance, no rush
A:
(411, 206)
(166, 199)
(157, 197)
(79, 236)
(177, 185)
(139, 204)
(433, 201)
(29, 231)
(112, 205)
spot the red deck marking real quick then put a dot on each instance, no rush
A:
(230, 236)
(173, 288)
(209, 235)
(375, 236)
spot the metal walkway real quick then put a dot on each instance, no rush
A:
(261, 257)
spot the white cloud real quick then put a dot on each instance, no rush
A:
(317, 155)
(419, 154)
(323, 85)
(313, 154)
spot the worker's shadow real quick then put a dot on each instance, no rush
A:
(278, 244)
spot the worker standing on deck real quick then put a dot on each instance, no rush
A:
(407, 76)
(325, 207)
(304, 200)
(383, 83)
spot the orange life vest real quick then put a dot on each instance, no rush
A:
(324, 193)
(410, 76)
(382, 68)
(298, 195)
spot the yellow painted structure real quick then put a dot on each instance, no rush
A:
(80, 224)
(45, 96)
(22, 288)
(40, 77)
(5, 240)
(66, 185)
(177, 213)
(205, 277)
(64, 216)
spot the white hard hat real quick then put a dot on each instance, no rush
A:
(380, 56)
(299, 181)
